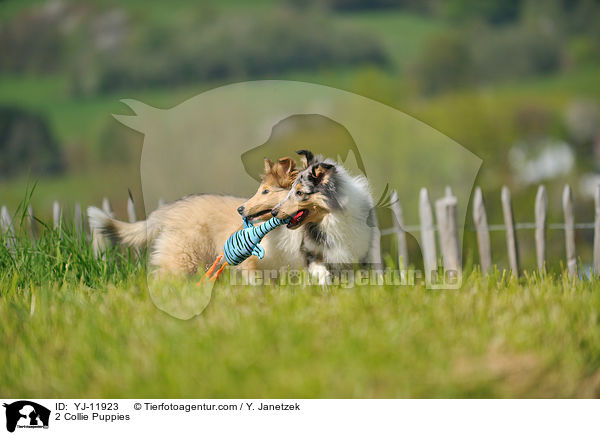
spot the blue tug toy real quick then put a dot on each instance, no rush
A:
(244, 243)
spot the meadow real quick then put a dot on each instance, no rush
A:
(73, 326)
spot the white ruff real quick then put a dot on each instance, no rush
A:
(347, 231)
(282, 246)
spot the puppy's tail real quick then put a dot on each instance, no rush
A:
(130, 234)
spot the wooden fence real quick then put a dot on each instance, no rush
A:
(445, 224)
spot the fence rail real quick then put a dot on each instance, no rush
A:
(441, 220)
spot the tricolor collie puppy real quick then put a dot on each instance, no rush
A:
(190, 233)
(332, 210)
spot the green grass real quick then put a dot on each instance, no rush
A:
(71, 326)
(74, 326)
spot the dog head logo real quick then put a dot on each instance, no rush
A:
(216, 142)
(26, 414)
(319, 133)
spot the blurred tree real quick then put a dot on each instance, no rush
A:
(444, 64)
(491, 11)
(238, 47)
(481, 54)
(34, 41)
(353, 5)
(26, 144)
(513, 51)
(582, 121)
(106, 48)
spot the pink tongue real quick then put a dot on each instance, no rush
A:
(298, 215)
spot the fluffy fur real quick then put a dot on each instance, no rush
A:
(332, 209)
(188, 234)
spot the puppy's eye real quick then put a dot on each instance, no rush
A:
(264, 192)
(299, 193)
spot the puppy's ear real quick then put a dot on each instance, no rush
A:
(307, 158)
(321, 173)
(287, 165)
(286, 172)
(268, 165)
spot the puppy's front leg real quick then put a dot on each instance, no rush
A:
(319, 272)
(316, 266)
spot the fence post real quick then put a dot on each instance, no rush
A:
(511, 237)
(375, 249)
(427, 236)
(445, 211)
(78, 221)
(483, 232)
(541, 205)
(567, 201)
(6, 228)
(33, 229)
(597, 231)
(399, 231)
(56, 214)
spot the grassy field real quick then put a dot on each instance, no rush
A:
(71, 326)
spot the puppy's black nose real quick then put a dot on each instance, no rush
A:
(241, 210)
(274, 212)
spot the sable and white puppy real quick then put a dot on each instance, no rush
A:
(190, 233)
(332, 208)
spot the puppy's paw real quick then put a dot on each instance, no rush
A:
(320, 273)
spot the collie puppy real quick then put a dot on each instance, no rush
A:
(333, 210)
(189, 233)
